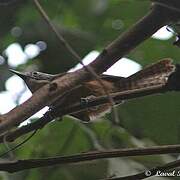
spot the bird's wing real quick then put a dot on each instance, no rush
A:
(111, 78)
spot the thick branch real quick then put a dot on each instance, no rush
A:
(14, 166)
(158, 17)
(59, 112)
(142, 30)
(172, 84)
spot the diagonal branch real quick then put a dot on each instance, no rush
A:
(50, 115)
(155, 19)
(172, 84)
(72, 51)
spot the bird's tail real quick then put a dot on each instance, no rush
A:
(155, 74)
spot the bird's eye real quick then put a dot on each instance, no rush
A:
(35, 73)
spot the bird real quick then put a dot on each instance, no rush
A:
(154, 74)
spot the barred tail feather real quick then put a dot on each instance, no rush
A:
(155, 74)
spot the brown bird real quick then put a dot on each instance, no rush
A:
(155, 74)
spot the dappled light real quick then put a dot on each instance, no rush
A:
(163, 34)
(15, 50)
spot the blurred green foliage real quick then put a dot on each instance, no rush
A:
(91, 25)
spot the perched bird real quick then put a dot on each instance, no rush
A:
(155, 74)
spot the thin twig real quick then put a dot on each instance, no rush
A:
(74, 53)
(19, 165)
(8, 149)
(18, 145)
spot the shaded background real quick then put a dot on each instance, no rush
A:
(87, 25)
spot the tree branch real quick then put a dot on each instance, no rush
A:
(52, 114)
(142, 30)
(172, 84)
(155, 19)
(73, 52)
(19, 165)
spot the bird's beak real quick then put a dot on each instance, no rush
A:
(20, 74)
